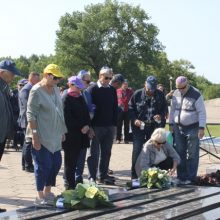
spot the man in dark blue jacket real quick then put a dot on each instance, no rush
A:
(147, 108)
(7, 72)
(23, 95)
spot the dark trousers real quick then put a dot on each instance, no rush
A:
(71, 155)
(123, 118)
(166, 164)
(139, 138)
(2, 147)
(101, 146)
(27, 161)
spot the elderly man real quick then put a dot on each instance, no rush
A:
(104, 122)
(7, 72)
(23, 95)
(187, 121)
(146, 108)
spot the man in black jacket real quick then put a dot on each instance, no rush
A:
(147, 108)
(104, 122)
(7, 72)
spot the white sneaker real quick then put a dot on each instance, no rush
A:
(40, 202)
(176, 181)
(187, 182)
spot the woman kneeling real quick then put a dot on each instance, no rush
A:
(157, 153)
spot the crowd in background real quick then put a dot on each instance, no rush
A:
(87, 117)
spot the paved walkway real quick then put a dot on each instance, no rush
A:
(17, 187)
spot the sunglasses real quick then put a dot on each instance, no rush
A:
(107, 78)
(182, 87)
(55, 77)
(158, 143)
(87, 81)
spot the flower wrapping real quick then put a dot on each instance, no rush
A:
(154, 177)
(83, 196)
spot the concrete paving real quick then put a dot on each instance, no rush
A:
(17, 187)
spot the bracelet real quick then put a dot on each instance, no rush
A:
(34, 131)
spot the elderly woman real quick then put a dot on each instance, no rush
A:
(157, 152)
(46, 129)
(77, 120)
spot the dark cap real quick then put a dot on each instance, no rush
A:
(10, 66)
(118, 78)
(151, 83)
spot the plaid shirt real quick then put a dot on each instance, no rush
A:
(124, 97)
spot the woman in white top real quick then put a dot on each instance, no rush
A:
(157, 152)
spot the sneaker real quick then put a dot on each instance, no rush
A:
(106, 181)
(29, 169)
(110, 177)
(2, 210)
(49, 198)
(176, 182)
(40, 202)
(110, 171)
(188, 182)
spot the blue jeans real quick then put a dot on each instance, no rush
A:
(139, 138)
(46, 167)
(187, 146)
(80, 165)
(101, 146)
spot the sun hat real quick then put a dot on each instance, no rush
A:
(74, 80)
(10, 66)
(54, 70)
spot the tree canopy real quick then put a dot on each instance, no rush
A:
(120, 36)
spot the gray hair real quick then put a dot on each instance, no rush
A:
(159, 135)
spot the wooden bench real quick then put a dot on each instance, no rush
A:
(188, 202)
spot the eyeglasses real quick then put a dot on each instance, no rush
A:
(107, 78)
(87, 81)
(158, 143)
(182, 87)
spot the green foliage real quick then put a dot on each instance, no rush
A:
(118, 35)
(154, 177)
(84, 196)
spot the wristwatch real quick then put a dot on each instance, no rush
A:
(34, 131)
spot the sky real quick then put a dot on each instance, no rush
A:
(189, 29)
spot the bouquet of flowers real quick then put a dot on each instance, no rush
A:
(83, 196)
(154, 177)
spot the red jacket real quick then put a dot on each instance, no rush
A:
(124, 97)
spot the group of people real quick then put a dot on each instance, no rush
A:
(86, 116)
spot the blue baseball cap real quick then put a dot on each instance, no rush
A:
(22, 82)
(10, 66)
(151, 83)
(82, 73)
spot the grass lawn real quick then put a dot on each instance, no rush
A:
(214, 130)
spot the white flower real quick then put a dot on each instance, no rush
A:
(160, 176)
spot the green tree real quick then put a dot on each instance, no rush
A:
(114, 34)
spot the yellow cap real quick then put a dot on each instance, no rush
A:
(53, 69)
